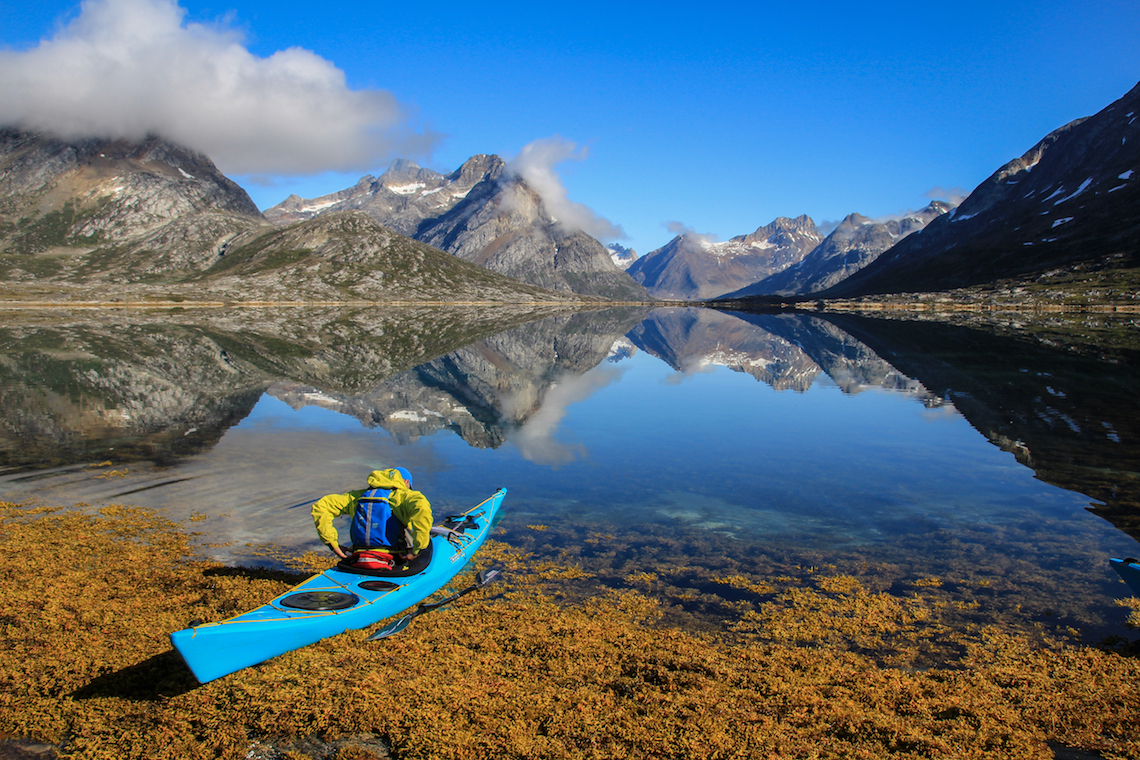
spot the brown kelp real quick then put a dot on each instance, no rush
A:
(818, 665)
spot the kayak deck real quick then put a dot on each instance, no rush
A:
(331, 602)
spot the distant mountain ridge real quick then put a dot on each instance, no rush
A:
(149, 212)
(484, 214)
(692, 268)
(851, 246)
(1072, 198)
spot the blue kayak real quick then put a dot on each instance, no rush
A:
(1129, 570)
(335, 601)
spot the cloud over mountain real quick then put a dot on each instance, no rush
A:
(129, 68)
(535, 165)
(689, 234)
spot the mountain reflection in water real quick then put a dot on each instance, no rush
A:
(757, 443)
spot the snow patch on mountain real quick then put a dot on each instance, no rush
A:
(622, 348)
(1084, 186)
(407, 189)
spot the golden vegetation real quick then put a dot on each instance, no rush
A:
(819, 666)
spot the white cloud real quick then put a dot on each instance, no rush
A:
(952, 195)
(690, 239)
(536, 440)
(827, 226)
(535, 165)
(129, 68)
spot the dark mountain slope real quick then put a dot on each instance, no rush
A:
(1073, 198)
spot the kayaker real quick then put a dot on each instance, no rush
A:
(386, 518)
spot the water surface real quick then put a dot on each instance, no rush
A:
(630, 441)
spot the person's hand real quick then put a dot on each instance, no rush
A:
(409, 556)
(339, 551)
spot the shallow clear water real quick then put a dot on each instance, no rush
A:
(628, 434)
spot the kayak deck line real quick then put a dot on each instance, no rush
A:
(215, 649)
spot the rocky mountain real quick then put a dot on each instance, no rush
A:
(484, 214)
(348, 254)
(622, 257)
(691, 268)
(400, 199)
(134, 219)
(1071, 200)
(854, 244)
(60, 199)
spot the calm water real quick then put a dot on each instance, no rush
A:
(628, 441)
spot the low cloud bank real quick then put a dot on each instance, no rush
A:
(952, 195)
(129, 68)
(535, 164)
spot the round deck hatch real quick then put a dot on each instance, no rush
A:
(321, 600)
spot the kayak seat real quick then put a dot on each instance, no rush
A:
(417, 565)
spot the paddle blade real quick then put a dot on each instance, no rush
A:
(488, 576)
(388, 630)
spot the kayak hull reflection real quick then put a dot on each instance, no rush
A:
(1129, 570)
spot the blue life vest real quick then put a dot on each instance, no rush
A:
(373, 524)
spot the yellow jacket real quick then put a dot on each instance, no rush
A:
(409, 507)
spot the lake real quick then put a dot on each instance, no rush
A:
(657, 449)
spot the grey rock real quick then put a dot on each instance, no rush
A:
(400, 199)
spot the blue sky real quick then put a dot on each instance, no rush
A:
(718, 116)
